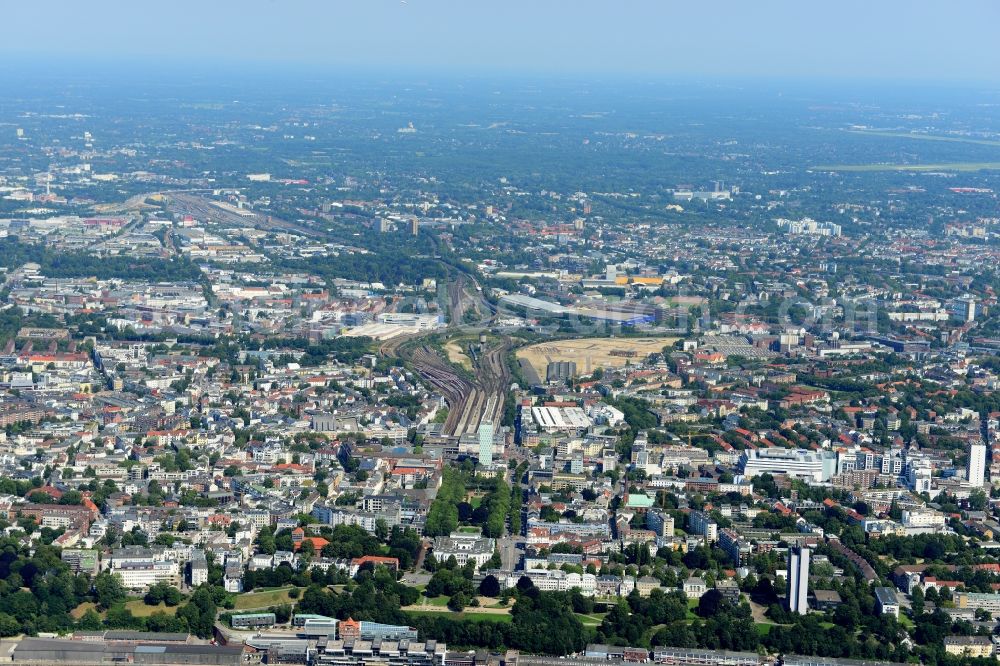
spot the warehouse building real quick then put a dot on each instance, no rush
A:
(62, 651)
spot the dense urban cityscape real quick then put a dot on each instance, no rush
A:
(466, 371)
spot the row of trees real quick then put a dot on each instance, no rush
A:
(500, 504)
(442, 516)
(349, 541)
(541, 622)
(494, 509)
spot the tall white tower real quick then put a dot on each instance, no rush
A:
(798, 580)
(976, 470)
(486, 434)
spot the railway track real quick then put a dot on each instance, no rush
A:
(465, 295)
(202, 208)
(455, 388)
(469, 402)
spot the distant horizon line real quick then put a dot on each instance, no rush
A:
(61, 65)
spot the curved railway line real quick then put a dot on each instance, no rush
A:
(470, 401)
(462, 299)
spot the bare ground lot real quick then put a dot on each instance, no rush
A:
(592, 353)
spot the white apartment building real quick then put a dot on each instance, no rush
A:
(199, 572)
(140, 575)
(814, 466)
(919, 475)
(922, 518)
(976, 469)
(703, 525)
(554, 581)
(258, 518)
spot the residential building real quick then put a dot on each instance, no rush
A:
(976, 469)
(734, 546)
(886, 601)
(798, 579)
(971, 647)
(660, 522)
(703, 525)
(197, 571)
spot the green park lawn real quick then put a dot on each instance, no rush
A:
(139, 608)
(592, 620)
(484, 617)
(251, 600)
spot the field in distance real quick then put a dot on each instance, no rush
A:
(592, 353)
(949, 166)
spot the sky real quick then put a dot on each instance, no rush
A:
(911, 40)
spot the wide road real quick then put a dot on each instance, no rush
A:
(510, 553)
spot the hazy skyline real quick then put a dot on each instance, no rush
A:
(854, 39)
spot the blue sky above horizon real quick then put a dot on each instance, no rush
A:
(864, 40)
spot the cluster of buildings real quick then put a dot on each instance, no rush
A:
(844, 366)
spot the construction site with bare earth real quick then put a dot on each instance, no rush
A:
(589, 353)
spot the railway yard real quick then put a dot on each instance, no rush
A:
(474, 394)
(470, 400)
(200, 207)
